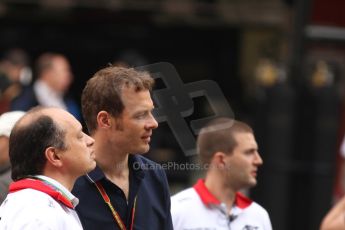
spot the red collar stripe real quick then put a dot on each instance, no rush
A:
(42, 187)
(205, 195)
(242, 201)
(209, 199)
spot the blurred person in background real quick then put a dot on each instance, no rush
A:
(229, 153)
(7, 121)
(54, 77)
(48, 151)
(14, 73)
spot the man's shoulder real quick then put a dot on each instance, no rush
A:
(258, 207)
(147, 166)
(31, 199)
(80, 184)
(80, 180)
(31, 208)
(188, 192)
(144, 160)
(183, 202)
(184, 198)
(257, 210)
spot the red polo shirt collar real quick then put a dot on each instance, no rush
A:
(42, 187)
(208, 198)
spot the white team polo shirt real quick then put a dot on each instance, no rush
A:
(197, 209)
(39, 204)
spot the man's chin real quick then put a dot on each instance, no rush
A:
(142, 150)
(252, 183)
(92, 167)
(145, 151)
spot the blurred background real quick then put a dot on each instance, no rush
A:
(280, 64)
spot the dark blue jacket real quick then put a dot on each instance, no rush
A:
(147, 181)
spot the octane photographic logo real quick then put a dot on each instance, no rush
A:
(175, 102)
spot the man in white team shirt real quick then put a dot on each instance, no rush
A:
(48, 152)
(228, 150)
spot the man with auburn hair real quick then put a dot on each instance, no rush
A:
(48, 152)
(227, 148)
(126, 190)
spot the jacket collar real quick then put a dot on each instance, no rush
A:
(136, 165)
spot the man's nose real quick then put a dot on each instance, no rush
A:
(152, 123)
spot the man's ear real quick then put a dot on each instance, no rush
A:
(53, 156)
(219, 159)
(103, 119)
